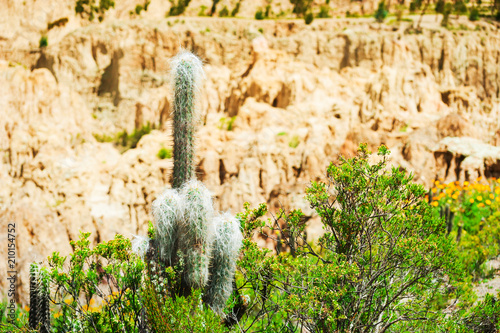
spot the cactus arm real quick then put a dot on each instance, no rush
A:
(187, 72)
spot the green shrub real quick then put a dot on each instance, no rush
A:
(224, 12)
(301, 7)
(308, 18)
(259, 14)
(439, 8)
(202, 11)
(324, 12)
(58, 23)
(474, 221)
(384, 255)
(448, 8)
(44, 41)
(381, 12)
(125, 141)
(474, 14)
(214, 7)
(460, 7)
(236, 9)
(91, 8)
(143, 7)
(294, 141)
(164, 153)
(415, 5)
(178, 8)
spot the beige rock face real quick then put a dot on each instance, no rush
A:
(281, 101)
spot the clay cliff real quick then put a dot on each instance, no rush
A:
(281, 101)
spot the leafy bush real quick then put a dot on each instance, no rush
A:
(474, 220)
(415, 5)
(44, 41)
(324, 12)
(236, 9)
(301, 7)
(259, 14)
(164, 153)
(57, 23)
(381, 12)
(439, 8)
(224, 12)
(143, 7)
(448, 8)
(383, 259)
(294, 142)
(460, 7)
(126, 141)
(91, 8)
(308, 18)
(97, 289)
(474, 14)
(178, 8)
(214, 7)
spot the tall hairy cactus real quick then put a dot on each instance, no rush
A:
(184, 219)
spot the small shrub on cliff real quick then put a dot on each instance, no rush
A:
(474, 14)
(178, 8)
(381, 12)
(44, 41)
(308, 18)
(91, 8)
(259, 14)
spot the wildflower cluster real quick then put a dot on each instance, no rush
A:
(475, 220)
(471, 202)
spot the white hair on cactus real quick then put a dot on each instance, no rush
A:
(225, 252)
(196, 232)
(187, 72)
(199, 212)
(167, 211)
(228, 237)
(140, 245)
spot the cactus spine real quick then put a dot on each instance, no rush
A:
(184, 217)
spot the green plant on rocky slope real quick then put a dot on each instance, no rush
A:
(384, 257)
(89, 9)
(188, 231)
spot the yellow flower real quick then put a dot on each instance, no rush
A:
(497, 190)
(84, 307)
(481, 205)
(466, 183)
(455, 196)
(436, 183)
(492, 196)
(26, 308)
(435, 203)
(57, 315)
(471, 200)
(479, 198)
(497, 199)
(434, 190)
(488, 202)
(92, 301)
